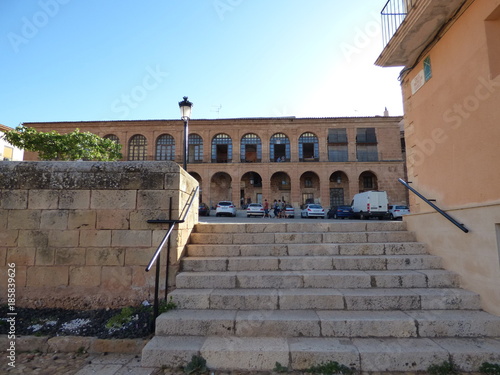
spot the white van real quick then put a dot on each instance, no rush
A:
(370, 204)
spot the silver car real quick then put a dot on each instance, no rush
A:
(313, 210)
(255, 209)
(226, 208)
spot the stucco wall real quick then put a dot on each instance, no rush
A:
(77, 232)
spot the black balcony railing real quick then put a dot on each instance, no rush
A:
(393, 15)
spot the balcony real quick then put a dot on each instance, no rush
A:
(409, 26)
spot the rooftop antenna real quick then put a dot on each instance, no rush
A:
(217, 109)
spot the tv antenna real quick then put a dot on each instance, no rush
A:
(217, 109)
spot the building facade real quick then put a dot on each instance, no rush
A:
(298, 160)
(450, 52)
(7, 151)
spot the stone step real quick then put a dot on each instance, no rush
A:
(314, 226)
(301, 353)
(296, 263)
(301, 238)
(372, 299)
(318, 279)
(321, 323)
(299, 249)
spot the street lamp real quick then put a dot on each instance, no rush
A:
(185, 107)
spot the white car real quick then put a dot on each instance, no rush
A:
(396, 212)
(313, 210)
(255, 209)
(226, 208)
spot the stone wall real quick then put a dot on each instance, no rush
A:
(77, 232)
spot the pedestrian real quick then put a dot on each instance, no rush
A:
(276, 208)
(266, 208)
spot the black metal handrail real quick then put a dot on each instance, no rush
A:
(156, 257)
(393, 15)
(455, 222)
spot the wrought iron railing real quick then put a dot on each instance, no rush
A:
(393, 15)
(428, 201)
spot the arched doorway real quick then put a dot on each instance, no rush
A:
(339, 185)
(368, 181)
(250, 188)
(310, 188)
(280, 187)
(197, 177)
(220, 188)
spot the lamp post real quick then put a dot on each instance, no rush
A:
(185, 107)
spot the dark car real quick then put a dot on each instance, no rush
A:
(340, 212)
(204, 210)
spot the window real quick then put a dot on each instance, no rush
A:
(137, 147)
(337, 145)
(307, 198)
(251, 149)
(222, 149)
(280, 148)
(308, 147)
(165, 147)
(8, 153)
(366, 145)
(195, 144)
(112, 137)
(308, 182)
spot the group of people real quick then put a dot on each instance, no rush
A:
(278, 209)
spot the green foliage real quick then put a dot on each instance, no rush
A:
(119, 320)
(278, 367)
(330, 368)
(445, 368)
(490, 368)
(71, 146)
(197, 365)
(165, 306)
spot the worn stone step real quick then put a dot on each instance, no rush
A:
(321, 323)
(301, 237)
(297, 263)
(314, 226)
(298, 249)
(372, 299)
(301, 353)
(317, 279)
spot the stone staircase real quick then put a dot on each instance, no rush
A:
(363, 294)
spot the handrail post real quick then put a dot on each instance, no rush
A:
(446, 215)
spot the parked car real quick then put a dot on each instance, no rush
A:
(313, 210)
(340, 212)
(203, 210)
(226, 208)
(397, 212)
(255, 209)
(370, 204)
(289, 211)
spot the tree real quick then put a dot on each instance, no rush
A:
(71, 146)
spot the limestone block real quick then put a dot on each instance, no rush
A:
(88, 276)
(95, 238)
(131, 238)
(139, 218)
(116, 278)
(249, 353)
(21, 256)
(3, 219)
(277, 323)
(212, 250)
(336, 279)
(195, 264)
(262, 250)
(105, 257)
(441, 278)
(385, 226)
(359, 263)
(140, 257)
(54, 219)
(347, 227)
(244, 299)
(191, 298)
(64, 238)
(68, 344)
(381, 299)
(196, 323)
(24, 219)
(252, 264)
(305, 299)
(413, 262)
(266, 228)
(45, 256)
(204, 280)
(402, 354)
(47, 276)
(469, 354)
(293, 263)
(253, 238)
(397, 279)
(82, 219)
(307, 352)
(43, 199)
(382, 237)
(171, 351)
(29, 343)
(366, 324)
(3, 256)
(315, 249)
(210, 239)
(405, 248)
(448, 299)
(269, 279)
(32, 238)
(347, 237)
(74, 199)
(317, 227)
(362, 249)
(112, 219)
(70, 257)
(14, 199)
(113, 199)
(122, 346)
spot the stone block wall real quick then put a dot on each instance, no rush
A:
(77, 232)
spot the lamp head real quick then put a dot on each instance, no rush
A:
(185, 107)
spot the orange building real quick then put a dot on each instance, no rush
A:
(450, 51)
(299, 160)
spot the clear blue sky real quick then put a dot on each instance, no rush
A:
(84, 60)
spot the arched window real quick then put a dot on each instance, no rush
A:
(195, 148)
(112, 137)
(137, 147)
(165, 147)
(251, 148)
(222, 149)
(279, 148)
(308, 147)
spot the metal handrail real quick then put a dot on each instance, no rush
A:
(393, 15)
(455, 222)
